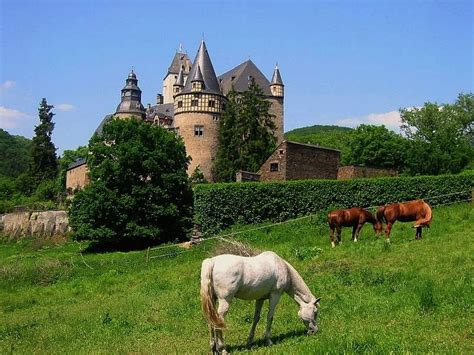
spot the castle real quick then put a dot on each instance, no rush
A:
(193, 100)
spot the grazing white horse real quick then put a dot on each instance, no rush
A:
(261, 277)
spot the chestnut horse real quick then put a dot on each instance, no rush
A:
(354, 217)
(417, 210)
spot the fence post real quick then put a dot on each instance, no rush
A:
(147, 256)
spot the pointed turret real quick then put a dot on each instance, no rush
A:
(203, 63)
(276, 85)
(197, 81)
(130, 104)
(180, 61)
(179, 84)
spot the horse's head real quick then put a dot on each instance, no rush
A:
(309, 313)
(378, 227)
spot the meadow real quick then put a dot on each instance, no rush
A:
(406, 296)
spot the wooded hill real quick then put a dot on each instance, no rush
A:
(326, 136)
(14, 154)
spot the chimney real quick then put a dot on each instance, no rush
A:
(159, 99)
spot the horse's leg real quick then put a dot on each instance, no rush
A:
(256, 318)
(338, 234)
(357, 231)
(212, 341)
(331, 236)
(354, 229)
(272, 302)
(222, 311)
(387, 231)
(418, 232)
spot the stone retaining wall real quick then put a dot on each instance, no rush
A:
(45, 224)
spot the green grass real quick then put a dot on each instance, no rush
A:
(409, 296)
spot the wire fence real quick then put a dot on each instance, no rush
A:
(240, 232)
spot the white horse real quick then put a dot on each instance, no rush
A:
(265, 276)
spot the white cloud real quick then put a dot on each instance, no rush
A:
(65, 107)
(11, 118)
(7, 84)
(390, 119)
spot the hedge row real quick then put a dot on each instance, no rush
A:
(218, 206)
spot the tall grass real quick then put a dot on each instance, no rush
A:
(409, 296)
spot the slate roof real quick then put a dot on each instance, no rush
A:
(177, 63)
(238, 78)
(313, 146)
(276, 79)
(106, 119)
(204, 64)
(180, 79)
(78, 162)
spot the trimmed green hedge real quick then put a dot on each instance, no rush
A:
(218, 206)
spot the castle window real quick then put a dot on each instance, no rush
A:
(195, 95)
(194, 103)
(212, 103)
(215, 118)
(180, 104)
(281, 151)
(198, 131)
(273, 167)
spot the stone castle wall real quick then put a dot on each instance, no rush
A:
(77, 178)
(202, 149)
(277, 109)
(45, 224)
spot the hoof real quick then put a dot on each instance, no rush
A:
(269, 342)
(333, 244)
(355, 240)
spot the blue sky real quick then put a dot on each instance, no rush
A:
(342, 62)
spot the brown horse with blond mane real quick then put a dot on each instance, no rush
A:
(354, 217)
(417, 210)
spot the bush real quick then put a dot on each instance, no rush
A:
(218, 206)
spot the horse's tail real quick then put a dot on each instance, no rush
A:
(381, 215)
(426, 220)
(208, 303)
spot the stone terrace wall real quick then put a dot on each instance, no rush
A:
(45, 224)
(353, 172)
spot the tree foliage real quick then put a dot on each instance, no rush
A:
(44, 164)
(327, 136)
(246, 134)
(139, 192)
(441, 136)
(375, 146)
(14, 154)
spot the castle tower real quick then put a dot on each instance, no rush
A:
(197, 110)
(180, 62)
(179, 84)
(277, 90)
(131, 100)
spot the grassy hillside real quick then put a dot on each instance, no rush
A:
(14, 154)
(326, 136)
(409, 296)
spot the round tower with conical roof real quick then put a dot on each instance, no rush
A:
(131, 100)
(197, 110)
(277, 98)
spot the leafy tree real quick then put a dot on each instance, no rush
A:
(197, 177)
(375, 146)
(246, 134)
(139, 192)
(14, 154)
(441, 136)
(44, 164)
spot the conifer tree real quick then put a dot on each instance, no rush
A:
(246, 134)
(44, 164)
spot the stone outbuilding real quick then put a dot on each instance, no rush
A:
(77, 176)
(298, 161)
